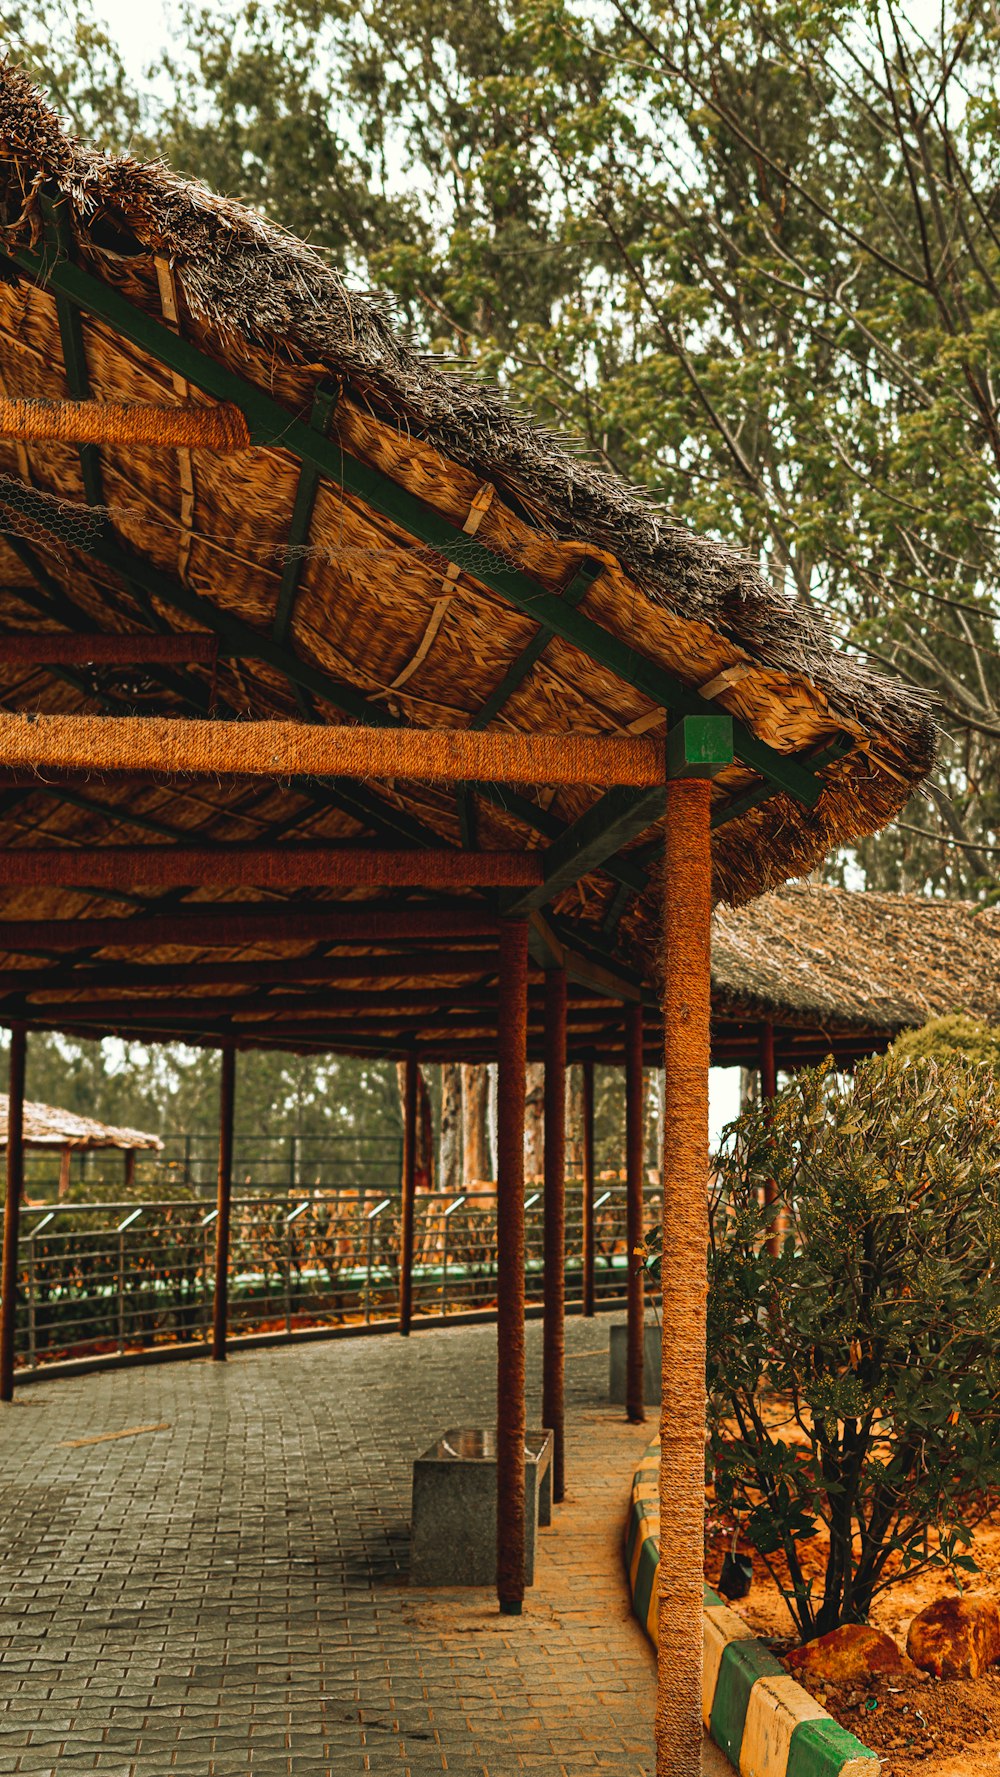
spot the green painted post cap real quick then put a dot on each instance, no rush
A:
(699, 746)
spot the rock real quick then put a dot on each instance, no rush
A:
(846, 1656)
(955, 1637)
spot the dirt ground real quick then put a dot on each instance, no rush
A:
(919, 1727)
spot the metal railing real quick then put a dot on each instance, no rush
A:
(260, 1163)
(116, 1277)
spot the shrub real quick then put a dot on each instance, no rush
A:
(957, 1035)
(854, 1374)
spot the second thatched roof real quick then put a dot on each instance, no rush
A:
(46, 1126)
(830, 958)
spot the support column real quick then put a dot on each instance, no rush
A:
(687, 887)
(511, 1077)
(634, 1143)
(12, 1209)
(129, 1171)
(768, 1091)
(409, 1191)
(553, 1332)
(227, 1104)
(588, 1188)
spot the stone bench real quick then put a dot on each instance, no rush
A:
(453, 1530)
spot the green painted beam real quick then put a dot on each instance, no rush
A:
(590, 843)
(324, 402)
(272, 425)
(515, 675)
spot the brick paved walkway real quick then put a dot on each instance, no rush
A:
(228, 1595)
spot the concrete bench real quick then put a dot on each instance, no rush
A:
(453, 1531)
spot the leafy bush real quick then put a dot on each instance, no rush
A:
(854, 1375)
(941, 1038)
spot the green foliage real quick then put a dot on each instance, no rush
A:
(957, 1035)
(854, 1373)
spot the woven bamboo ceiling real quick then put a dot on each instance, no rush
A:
(327, 529)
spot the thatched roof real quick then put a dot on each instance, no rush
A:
(47, 1127)
(849, 965)
(143, 539)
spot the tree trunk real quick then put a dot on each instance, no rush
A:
(425, 1133)
(476, 1166)
(534, 1134)
(450, 1140)
(574, 1121)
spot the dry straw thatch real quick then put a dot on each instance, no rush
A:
(422, 640)
(810, 955)
(47, 1127)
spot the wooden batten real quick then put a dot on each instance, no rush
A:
(128, 745)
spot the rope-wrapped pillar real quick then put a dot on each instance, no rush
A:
(634, 1134)
(588, 1188)
(553, 1332)
(12, 1209)
(687, 871)
(227, 1105)
(511, 1081)
(409, 1187)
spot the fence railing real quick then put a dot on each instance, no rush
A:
(107, 1277)
(260, 1163)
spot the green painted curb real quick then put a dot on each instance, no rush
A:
(764, 1721)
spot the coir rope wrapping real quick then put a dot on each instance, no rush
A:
(221, 428)
(687, 885)
(138, 744)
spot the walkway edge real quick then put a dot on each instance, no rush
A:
(764, 1721)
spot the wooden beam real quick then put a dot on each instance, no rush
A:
(273, 867)
(206, 928)
(123, 745)
(418, 964)
(102, 649)
(443, 999)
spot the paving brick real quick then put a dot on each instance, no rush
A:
(230, 1595)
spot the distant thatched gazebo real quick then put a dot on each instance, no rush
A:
(47, 1127)
(822, 971)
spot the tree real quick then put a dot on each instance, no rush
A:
(854, 1373)
(450, 1137)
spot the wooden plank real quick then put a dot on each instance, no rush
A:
(274, 867)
